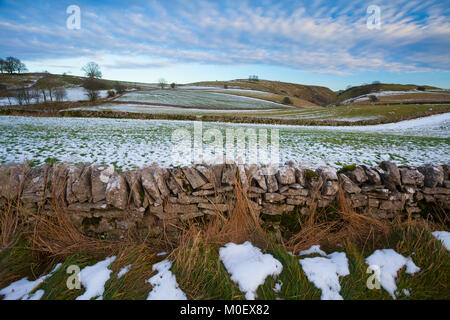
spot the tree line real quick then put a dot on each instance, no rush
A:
(12, 65)
(50, 88)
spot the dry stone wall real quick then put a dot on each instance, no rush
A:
(102, 201)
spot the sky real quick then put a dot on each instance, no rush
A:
(328, 43)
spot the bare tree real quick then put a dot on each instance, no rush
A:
(2, 65)
(92, 70)
(92, 87)
(36, 95)
(162, 83)
(22, 96)
(21, 67)
(4, 92)
(60, 94)
(47, 86)
(120, 88)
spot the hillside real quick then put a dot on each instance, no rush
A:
(31, 80)
(357, 91)
(317, 95)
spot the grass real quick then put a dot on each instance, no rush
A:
(357, 91)
(315, 94)
(100, 140)
(196, 99)
(195, 255)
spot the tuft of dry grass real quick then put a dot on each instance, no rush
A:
(349, 227)
(11, 224)
(56, 235)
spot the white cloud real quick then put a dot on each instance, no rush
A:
(320, 37)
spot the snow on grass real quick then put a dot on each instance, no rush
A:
(386, 263)
(365, 97)
(129, 143)
(193, 98)
(163, 110)
(93, 279)
(164, 283)
(312, 250)
(324, 272)
(444, 237)
(248, 266)
(278, 286)
(123, 271)
(20, 290)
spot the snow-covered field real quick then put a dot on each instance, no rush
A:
(129, 143)
(140, 108)
(197, 98)
(365, 97)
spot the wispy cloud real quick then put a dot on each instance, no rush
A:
(315, 36)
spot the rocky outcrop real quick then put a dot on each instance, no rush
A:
(101, 200)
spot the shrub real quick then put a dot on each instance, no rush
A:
(287, 100)
(111, 93)
(373, 98)
(92, 87)
(120, 88)
(60, 94)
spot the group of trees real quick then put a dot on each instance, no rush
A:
(50, 89)
(93, 84)
(47, 89)
(12, 65)
(163, 83)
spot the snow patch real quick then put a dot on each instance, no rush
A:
(93, 278)
(444, 237)
(20, 290)
(248, 266)
(324, 272)
(312, 250)
(123, 271)
(165, 286)
(388, 263)
(278, 286)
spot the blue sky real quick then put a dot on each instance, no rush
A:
(312, 42)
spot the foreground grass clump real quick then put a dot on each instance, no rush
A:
(200, 274)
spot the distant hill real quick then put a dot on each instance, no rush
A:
(317, 95)
(13, 81)
(354, 92)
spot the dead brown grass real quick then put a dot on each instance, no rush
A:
(56, 235)
(11, 224)
(350, 227)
